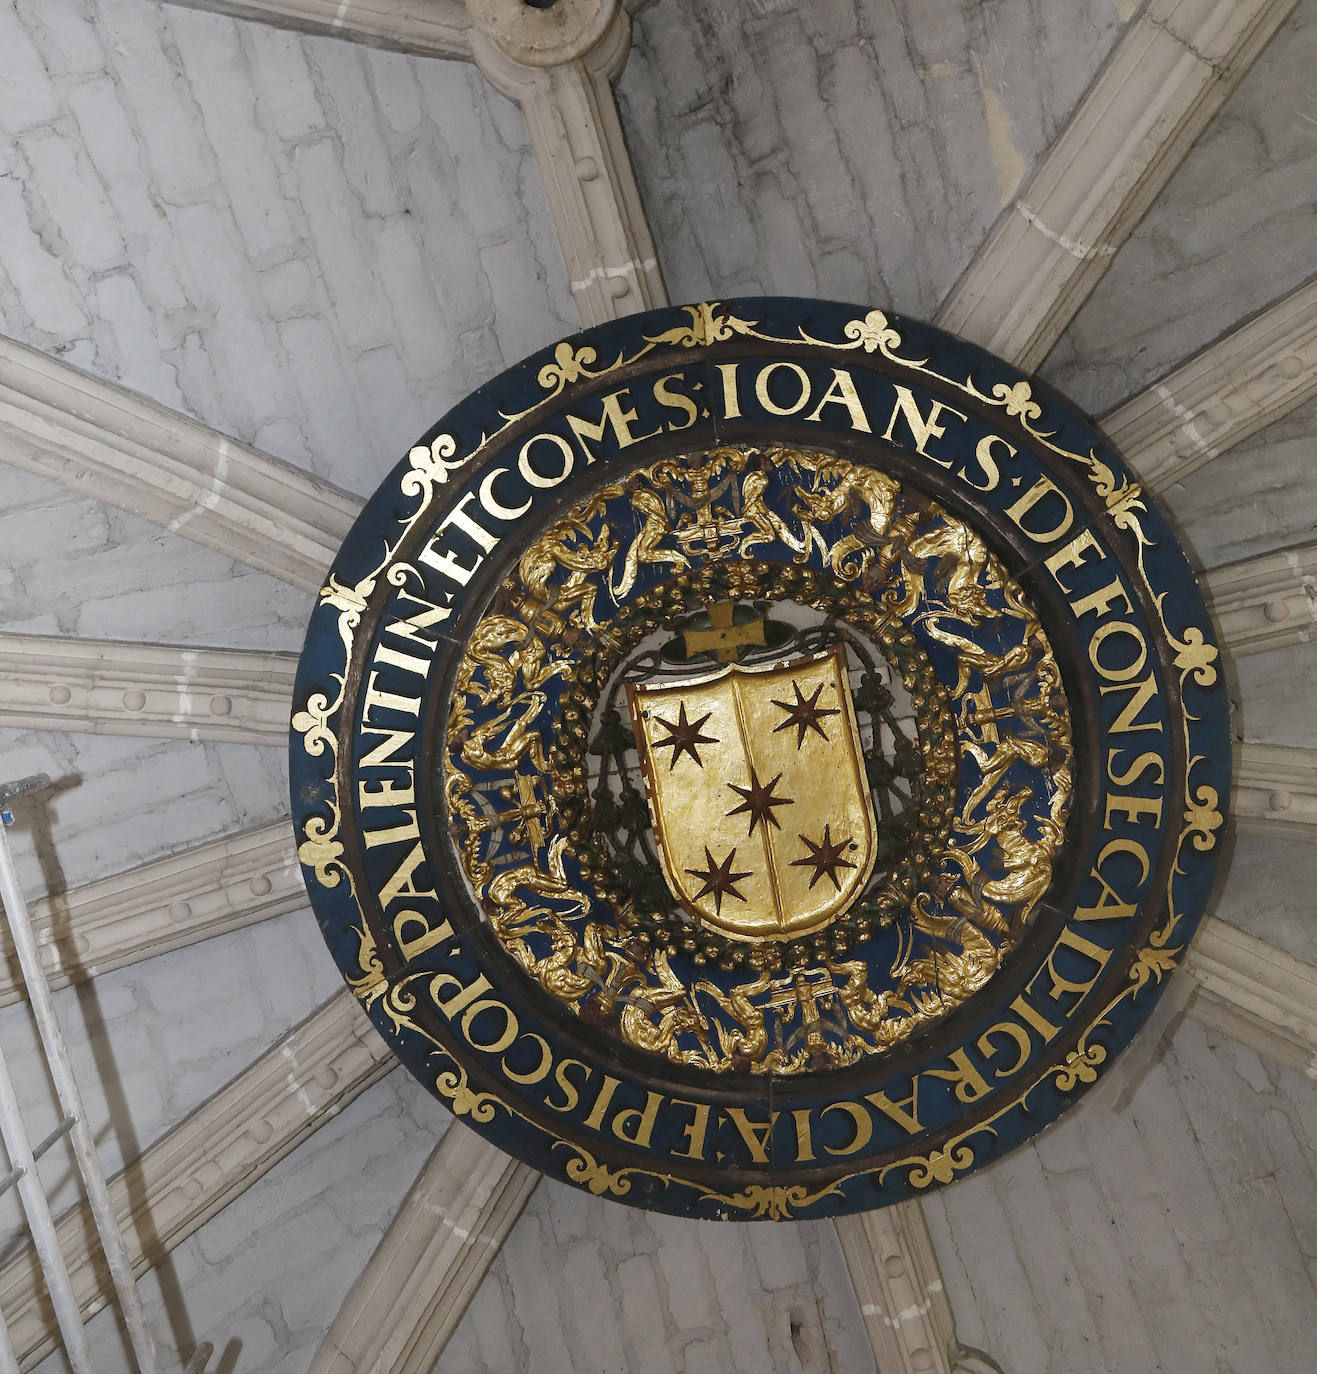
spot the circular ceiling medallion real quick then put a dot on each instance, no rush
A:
(759, 759)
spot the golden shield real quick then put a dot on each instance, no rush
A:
(756, 786)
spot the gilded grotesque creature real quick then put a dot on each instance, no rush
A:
(481, 746)
(865, 1008)
(499, 648)
(569, 545)
(751, 1040)
(842, 487)
(646, 547)
(766, 524)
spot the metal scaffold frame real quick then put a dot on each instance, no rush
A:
(23, 1156)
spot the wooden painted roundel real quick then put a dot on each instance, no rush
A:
(759, 759)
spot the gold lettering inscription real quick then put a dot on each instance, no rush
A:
(410, 945)
(970, 1085)
(764, 380)
(922, 428)
(842, 392)
(1044, 489)
(1069, 939)
(493, 505)
(609, 1086)
(804, 1136)
(697, 1132)
(863, 1127)
(570, 1092)
(540, 1072)
(904, 1110)
(533, 478)
(1012, 1031)
(754, 1133)
(731, 396)
(636, 1126)
(987, 461)
(666, 395)
(618, 416)
(446, 562)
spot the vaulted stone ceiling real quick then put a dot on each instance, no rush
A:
(310, 246)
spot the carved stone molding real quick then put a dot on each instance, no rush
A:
(109, 688)
(564, 89)
(1169, 74)
(429, 1263)
(167, 904)
(1256, 994)
(424, 28)
(1266, 602)
(1254, 375)
(1275, 791)
(206, 1161)
(899, 1286)
(106, 442)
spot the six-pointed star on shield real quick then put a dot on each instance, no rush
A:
(777, 780)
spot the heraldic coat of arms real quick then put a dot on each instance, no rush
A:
(759, 759)
(725, 755)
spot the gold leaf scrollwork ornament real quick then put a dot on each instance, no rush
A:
(1202, 819)
(873, 333)
(349, 602)
(1123, 500)
(312, 724)
(941, 1166)
(398, 1001)
(454, 1085)
(586, 1170)
(370, 986)
(1152, 965)
(428, 466)
(1193, 654)
(1081, 1066)
(1018, 399)
(569, 365)
(710, 323)
(321, 851)
(773, 1202)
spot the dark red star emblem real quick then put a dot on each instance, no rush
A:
(683, 736)
(804, 713)
(718, 879)
(759, 800)
(824, 857)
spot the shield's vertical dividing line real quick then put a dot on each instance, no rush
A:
(766, 839)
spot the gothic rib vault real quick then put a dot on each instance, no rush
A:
(306, 230)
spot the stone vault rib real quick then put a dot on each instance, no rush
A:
(159, 691)
(571, 113)
(902, 1298)
(429, 1263)
(166, 904)
(104, 441)
(424, 28)
(206, 1161)
(1164, 81)
(1275, 792)
(1255, 993)
(1246, 380)
(1267, 602)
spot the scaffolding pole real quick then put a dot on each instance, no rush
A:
(75, 1121)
